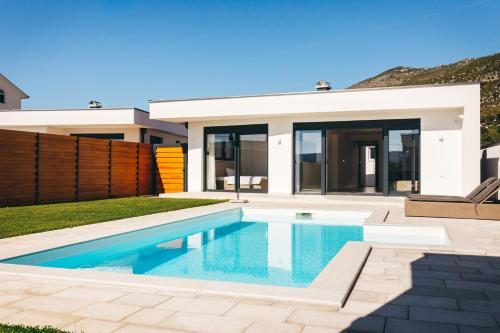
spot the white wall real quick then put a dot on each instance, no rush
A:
(442, 149)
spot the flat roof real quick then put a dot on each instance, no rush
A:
(313, 92)
(81, 109)
(317, 103)
(73, 118)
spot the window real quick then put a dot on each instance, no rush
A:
(2, 97)
(155, 140)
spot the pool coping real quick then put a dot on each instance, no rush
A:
(330, 288)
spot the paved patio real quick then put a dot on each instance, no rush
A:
(400, 289)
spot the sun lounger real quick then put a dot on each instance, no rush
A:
(447, 198)
(472, 206)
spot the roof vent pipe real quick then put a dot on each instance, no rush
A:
(323, 85)
(95, 105)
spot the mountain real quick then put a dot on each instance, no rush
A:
(484, 69)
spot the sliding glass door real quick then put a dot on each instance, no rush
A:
(253, 162)
(220, 161)
(236, 158)
(403, 169)
(308, 155)
(327, 157)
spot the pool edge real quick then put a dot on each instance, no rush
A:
(331, 288)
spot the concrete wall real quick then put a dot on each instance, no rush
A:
(449, 164)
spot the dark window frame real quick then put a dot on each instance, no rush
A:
(2, 97)
(106, 136)
(236, 131)
(385, 124)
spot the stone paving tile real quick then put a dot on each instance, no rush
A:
(259, 312)
(92, 326)
(374, 270)
(484, 277)
(478, 306)
(448, 292)
(493, 296)
(472, 285)
(368, 296)
(426, 301)
(148, 316)
(145, 329)
(474, 329)
(199, 305)
(315, 329)
(273, 327)
(453, 269)
(50, 304)
(337, 320)
(141, 299)
(418, 281)
(11, 298)
(384, 310)
(16, 286)
(198, 322)
(431, 274)
(452, 317)
(107, 311)
(37, 318)
(90, 294)
(4, 312)
(46, 289)
(412, 326)
(389, 287)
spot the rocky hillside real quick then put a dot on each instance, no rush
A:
(485, 70)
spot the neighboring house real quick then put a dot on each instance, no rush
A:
(10, 94)
(421, 138)
(127, 124)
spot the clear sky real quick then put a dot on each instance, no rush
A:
(122, 53)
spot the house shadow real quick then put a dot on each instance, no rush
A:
(444, 293)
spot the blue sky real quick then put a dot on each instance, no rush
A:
(64, 53)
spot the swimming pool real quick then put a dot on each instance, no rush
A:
(275, 247)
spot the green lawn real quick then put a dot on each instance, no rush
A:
(15, 221)
(26, 329)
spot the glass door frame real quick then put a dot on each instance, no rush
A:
(236, 130)
(386, 125)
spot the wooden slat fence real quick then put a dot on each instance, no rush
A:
(171, 165)
(47, 168)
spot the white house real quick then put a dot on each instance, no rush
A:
(421, 139)
(128, 124)
(10, 94)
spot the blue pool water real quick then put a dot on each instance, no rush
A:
(218, 246)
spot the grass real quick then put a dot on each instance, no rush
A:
(15, 221)
(27, 329)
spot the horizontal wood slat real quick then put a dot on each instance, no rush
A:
(170, 169)
(49, 168)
